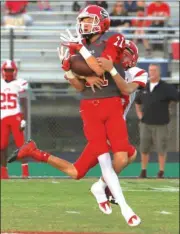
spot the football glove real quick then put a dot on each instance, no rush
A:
(64, 57)
(22, 124)
(70, 41)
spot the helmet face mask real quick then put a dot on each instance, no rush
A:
(127, 59)
(130, 55)
(9, 70)
(87, 28)
(92, 20)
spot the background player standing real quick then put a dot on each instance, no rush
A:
(12, 120)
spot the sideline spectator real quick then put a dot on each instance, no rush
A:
(76, 6)
(130, 6)
(152, 108)
(103, 4)
(141, 4)
(119, 10)
(158, 8)
(44, 5)
(141, 23)
(16, 14)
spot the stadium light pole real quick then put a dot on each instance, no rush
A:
(11, 42)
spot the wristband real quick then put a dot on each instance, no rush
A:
(85, 52)
(113, 71)
(70, 75)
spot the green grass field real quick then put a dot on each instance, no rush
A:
(66, 205)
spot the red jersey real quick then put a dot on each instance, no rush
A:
(158, 10)
(16, 7)
(109, 44)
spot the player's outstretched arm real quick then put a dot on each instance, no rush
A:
(64, 57)
(75, 44)
(124, 87)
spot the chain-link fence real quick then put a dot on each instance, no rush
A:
(56, 124)
(53, 121)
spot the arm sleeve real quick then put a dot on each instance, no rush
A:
(141, 78)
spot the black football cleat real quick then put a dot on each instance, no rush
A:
(110, 197)
(22, 152)
(13, 156)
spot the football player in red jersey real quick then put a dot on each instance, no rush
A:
(11, 115)
(135, 78)
(101, 112)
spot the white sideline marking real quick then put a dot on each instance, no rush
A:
(174, 181)
(55, 182)
(73, 212)
(151, 189)
(167, 189)
(164, 212)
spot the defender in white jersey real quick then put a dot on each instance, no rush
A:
(135, 78)
(133, 75)
(12, 120)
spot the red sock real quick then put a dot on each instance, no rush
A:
(4, 173)
(25, 170)
(40, 155)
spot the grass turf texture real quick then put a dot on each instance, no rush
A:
(65, 205)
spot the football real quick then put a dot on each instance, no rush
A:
(79, 66)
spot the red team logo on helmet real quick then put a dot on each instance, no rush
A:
(130, 54)
(9, 70)
(100, 20)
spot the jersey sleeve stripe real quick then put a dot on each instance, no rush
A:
(142, 84)
(140, 73)
(24, 83)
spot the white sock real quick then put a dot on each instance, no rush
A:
(112, 180)
(101, 183)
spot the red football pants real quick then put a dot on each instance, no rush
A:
(102, 120)
(11, 124)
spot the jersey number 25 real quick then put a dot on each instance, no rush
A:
(8, 101)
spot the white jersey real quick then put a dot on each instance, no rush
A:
(10, 92)
(135, 75)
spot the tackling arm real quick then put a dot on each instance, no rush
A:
(123, 86)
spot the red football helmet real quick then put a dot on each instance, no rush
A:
(100, 20)
(130, 54)
(9, 70)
